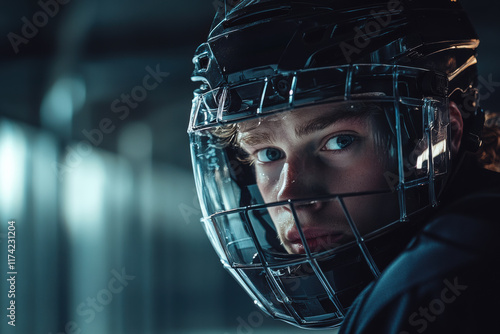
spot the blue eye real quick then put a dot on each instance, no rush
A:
(339, 142)
(269, 155)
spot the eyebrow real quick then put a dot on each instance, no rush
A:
(319, 123)
(257, 138)
(323, 122)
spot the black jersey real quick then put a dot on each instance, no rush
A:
(448, 278)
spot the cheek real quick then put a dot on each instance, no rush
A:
(372, 211)
(374, 173)
(267, 181)
(372, 176)
(364, 173)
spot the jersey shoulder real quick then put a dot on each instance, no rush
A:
(443, 281)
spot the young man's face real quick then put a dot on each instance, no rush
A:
(314, 151)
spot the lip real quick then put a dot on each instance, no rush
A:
(317, 240)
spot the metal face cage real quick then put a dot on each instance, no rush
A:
(315, 287)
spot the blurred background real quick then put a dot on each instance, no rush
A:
(95, 169)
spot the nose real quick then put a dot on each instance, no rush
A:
(290, 182)
(300, 178)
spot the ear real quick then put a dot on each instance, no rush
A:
(457, 128)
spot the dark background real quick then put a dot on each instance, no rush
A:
(120, 198)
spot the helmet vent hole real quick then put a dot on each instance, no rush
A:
(204, 61)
